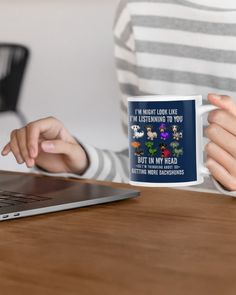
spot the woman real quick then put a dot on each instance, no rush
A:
(165, 47)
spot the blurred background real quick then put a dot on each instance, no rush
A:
(70, 73)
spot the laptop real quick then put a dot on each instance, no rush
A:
(24, 194)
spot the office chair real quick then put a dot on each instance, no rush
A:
(13, 61)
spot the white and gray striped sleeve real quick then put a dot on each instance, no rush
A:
(109, 165)
(106, 165)
(128, 77)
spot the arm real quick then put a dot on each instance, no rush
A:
(66, 155)
(221, 150)
(47, 144)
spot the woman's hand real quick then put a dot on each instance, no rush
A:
(221, 150)
(47, 144)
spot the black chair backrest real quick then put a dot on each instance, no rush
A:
(13, 61)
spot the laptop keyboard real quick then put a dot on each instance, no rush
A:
(11, 198)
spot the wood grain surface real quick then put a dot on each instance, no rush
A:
(164, 242)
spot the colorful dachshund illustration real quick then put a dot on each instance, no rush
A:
(137, 133)
(176, 151)
(136, 145)
(150, 134)
(152, 151)
(164, 135)
(165, 153)
(176, 133)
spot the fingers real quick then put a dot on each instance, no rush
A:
(24, 142)
(15, 148)
(56, 147)
(48, 126)
(75, 159)
(6, 150)
(32, 134)
(21, 143)
(224, 102)
(222, 138)
(18, 146)
(224, 119)
(221, 157)
(221, 174)
(222, 133)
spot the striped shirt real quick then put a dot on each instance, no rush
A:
(168, 47)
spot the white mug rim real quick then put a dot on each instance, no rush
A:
(164, 97)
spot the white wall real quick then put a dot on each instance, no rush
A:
(71, 74)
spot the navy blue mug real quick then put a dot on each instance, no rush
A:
(166, 140)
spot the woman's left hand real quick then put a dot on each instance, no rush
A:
(221, 150)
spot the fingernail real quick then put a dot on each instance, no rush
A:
(30, 163)
(4, 152)
(209, 162)
(216, 96)
(48, 146)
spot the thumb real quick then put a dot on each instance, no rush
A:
(77, 161)
(224, 102)
(56, 147)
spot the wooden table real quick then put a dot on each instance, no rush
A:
(165, 242)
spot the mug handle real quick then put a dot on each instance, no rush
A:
(201, 111)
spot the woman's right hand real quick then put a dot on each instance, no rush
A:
(47, 144)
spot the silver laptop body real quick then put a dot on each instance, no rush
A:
(23, 194)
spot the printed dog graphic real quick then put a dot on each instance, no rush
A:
(152, 151)
(176, 134)
(150, 134)
(165, 153)
(176, 150)
(137, 146)
(137, 133)
(164, 135)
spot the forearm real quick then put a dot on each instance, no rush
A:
(107, 165)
